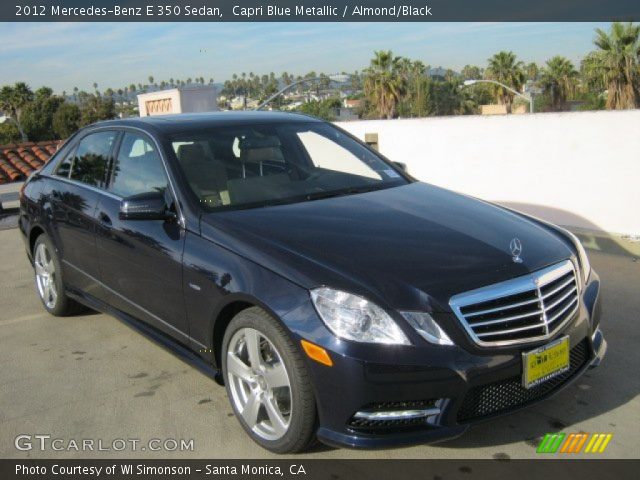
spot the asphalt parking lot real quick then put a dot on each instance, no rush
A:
(93, 377)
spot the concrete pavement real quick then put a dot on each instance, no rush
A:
(92, 377)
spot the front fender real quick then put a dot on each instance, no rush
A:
(215, 279)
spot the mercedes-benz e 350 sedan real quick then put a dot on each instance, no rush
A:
(334, 295)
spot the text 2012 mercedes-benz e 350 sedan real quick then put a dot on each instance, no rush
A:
(337, 297)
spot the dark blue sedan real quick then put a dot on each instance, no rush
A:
(335, 296)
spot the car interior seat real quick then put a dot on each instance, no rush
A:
(206, 176)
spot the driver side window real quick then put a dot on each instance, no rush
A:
(138, 168)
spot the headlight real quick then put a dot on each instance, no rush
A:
(355, 318)
(582, 255)
(427, 327)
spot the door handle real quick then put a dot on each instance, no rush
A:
(104, 219)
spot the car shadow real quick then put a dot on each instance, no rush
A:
(591, 235)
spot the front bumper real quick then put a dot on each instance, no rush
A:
(468, 384)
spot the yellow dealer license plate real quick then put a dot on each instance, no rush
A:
(546, 362)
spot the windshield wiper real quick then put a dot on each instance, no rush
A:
(340, 193)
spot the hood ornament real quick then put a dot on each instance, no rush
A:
(516, 249)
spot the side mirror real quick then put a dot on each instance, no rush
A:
(145, 206)
(401, 166)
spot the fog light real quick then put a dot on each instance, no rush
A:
(397, 414)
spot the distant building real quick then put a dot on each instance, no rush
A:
(346, 115)
(293, 105)
(243, 103)
(178, 100)
(353, 103)
(493, 109)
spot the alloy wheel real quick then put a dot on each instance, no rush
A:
(259, 384)
(45, 276)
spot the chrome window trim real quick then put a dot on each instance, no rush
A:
(83, 185)
(525, 283)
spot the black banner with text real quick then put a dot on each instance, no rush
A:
(317, 10)
(299, 468)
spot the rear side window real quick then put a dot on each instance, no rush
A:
(64, 168)
(138, 168)
(90, 160)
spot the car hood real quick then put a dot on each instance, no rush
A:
(408, 247)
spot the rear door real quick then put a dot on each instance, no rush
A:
(73, 196)
(141, 260)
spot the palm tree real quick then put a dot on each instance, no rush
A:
(14, 99)
(504, 67)
(447, 98)
(471, 72)
(384, 85)
(558, 80)
(150, 79)
(532, 71)
(615, 65)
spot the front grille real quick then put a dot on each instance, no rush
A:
(525, 309)
(363, 425)
(509, 394)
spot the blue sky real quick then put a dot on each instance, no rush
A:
(64, 55)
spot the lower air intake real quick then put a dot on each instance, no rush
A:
(509, 394)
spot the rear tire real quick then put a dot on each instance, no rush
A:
(267, 383)
(48, 279)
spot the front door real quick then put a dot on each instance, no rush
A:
(141, 260)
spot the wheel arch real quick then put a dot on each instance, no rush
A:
(34, 233)
(234, 304)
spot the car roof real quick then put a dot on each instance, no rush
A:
(197, 121)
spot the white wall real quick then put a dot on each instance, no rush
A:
(580, 169)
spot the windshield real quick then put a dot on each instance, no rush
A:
(258, 165)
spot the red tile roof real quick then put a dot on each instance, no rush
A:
(17, 161)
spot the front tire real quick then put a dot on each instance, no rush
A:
(267, 383)
(48, 277)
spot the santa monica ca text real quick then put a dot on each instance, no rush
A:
(142, 469)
